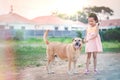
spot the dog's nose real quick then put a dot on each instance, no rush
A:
(77, 44)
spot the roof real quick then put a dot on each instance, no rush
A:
(48, 20)
(14, 18)
(113, 22)
(54, 20)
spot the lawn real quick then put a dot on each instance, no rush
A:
(112, 46)
(31, 52)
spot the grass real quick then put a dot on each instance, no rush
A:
(27, 56)
(40, 40)
(113, 46)
(31, 52)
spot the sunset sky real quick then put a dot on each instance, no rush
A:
(34, 8)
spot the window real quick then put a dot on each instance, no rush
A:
(23, 27)
(66, 28)
(56, 28)
(11, 27)
(74, 28)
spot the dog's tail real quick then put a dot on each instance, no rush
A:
(45, 37)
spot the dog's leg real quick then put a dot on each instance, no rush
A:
(69, 67)
(49, 64)
(74, 67)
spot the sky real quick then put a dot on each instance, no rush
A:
(34, 8)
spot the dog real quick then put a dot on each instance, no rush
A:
(68, 52)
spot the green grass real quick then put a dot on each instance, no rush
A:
(113, 46)
(40, 40)
(63, 40)
(29, 56)
(32, 52)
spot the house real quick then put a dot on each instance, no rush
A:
(55, 23)
(11, 22)
(59, 27)
(109, 24)
(15, 21)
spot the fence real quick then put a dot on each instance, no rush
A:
(8, 34)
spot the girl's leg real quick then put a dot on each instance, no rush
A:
(88, 60)
(95, 60)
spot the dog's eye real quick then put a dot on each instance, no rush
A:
(75, 40)
(78, 40)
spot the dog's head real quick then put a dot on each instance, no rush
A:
(77, 43)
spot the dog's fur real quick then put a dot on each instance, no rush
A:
(68, 52)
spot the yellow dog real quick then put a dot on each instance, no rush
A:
(68, 52)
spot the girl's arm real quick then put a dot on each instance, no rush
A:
(96, 33)
(85, 39)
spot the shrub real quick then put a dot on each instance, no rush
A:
(19, 35)
(112, 34)
(79, 34)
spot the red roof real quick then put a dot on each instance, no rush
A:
(113, 22)
(14, 18)
(48, 20)
(54, 20)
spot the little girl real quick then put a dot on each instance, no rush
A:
(93, 41)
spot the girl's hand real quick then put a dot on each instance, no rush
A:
(85, 41)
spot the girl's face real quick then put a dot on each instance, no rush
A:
(91, 21)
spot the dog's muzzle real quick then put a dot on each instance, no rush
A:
(77, 45)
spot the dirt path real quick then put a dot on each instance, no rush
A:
(108, 66)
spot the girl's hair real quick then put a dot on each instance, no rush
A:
(93, 15)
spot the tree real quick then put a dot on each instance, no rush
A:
(61, 15)
(82, 16)
(99, 10)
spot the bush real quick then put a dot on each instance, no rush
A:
(19, 35)
(112, 34)
(79, 34)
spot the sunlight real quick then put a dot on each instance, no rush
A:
(70, 6)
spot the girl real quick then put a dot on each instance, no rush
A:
(93, 41)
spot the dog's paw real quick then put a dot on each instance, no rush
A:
(70, 72)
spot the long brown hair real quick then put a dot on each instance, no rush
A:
(93, 15)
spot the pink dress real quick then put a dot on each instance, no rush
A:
(95, 44)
